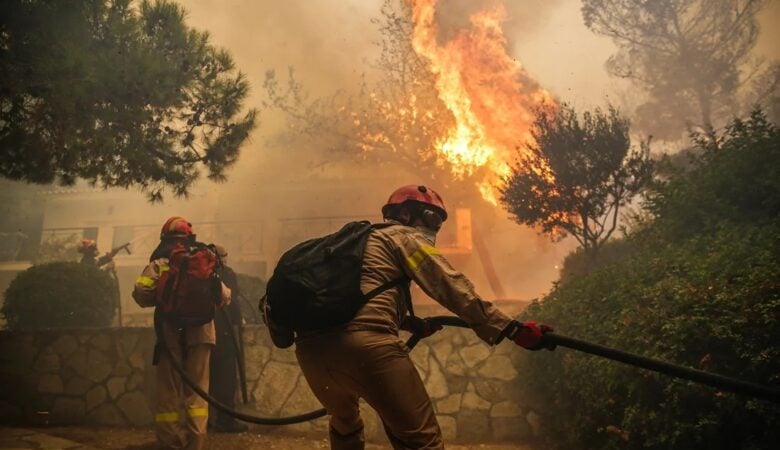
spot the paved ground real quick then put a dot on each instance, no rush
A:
(88, 438)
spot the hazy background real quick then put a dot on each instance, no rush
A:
(331, 44)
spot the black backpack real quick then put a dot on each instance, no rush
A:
(316, 284)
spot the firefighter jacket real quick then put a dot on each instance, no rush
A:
(403, 251)
(144, 292)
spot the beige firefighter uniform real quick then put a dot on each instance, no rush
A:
(366, 358)
(196, 342)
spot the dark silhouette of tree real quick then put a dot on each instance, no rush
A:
(577, 175)
(689, 56)
(117, 93)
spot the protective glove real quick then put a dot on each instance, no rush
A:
(530, 335)
(423, 327)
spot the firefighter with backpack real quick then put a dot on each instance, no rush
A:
(346, 337)
(181, 281)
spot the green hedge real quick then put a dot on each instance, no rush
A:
(698, 286)
(60, 295)
(712, 304)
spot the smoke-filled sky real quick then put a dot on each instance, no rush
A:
(331, 44)
(330, 41)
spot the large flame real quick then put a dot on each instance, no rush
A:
(489, 94)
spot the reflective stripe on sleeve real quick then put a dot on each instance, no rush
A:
(198, 412)
(166, 417)
(146, 281)
(419, 256)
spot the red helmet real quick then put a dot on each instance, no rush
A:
(86, 245)
(176, 227)
(415, 193)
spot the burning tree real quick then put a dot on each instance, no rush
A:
(576, 175)
(449, 111)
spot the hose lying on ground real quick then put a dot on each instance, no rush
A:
(698, 376)
(305, 417)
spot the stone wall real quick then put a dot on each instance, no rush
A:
(105, 377)
(101, 376)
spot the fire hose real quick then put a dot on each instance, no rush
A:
(697, 376)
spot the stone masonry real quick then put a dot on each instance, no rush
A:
(105, 377)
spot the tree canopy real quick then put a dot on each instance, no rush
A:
(689, 56)
(119, 94)
(577, 175)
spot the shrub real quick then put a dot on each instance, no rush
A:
(699, 287)
(711, 304)
(736, 178)
(60, 295)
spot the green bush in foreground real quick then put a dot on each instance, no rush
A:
(711, 304)
(700, 287)
(60, 295)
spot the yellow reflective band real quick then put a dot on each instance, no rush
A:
(163, 268)
(198, 412)
(167, 417)
(146, 281)
(419, 256)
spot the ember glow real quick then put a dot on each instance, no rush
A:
(489, 94)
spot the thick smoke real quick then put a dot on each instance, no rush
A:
(331, 46)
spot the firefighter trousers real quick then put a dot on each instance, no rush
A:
(343, 367)
(172, 394)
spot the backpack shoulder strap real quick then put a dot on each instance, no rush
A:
(401, 281)
(383, 287)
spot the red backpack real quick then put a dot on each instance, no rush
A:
(190, 290)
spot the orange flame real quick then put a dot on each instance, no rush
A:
(490, 95)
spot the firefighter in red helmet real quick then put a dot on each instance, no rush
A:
(176, 227)
(190, 344)
(89, 254)
(366, 359)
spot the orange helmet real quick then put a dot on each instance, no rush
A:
(419, 194)
(87, 245)
(176, 227)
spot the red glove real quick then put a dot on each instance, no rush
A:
(530, 335)
(423, 327)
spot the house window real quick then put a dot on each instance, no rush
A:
(122, 235)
